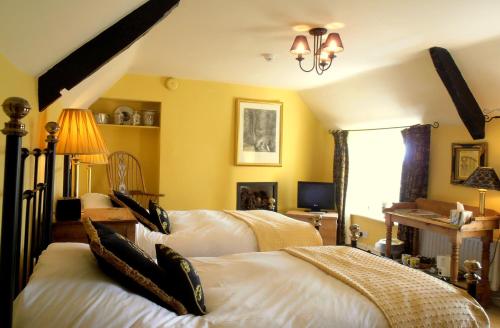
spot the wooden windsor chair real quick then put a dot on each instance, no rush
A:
(125, 175)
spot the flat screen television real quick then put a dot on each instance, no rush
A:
(316, 196)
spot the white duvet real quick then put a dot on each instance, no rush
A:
(268, 289)
(200, 233)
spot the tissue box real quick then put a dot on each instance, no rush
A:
(460, 217)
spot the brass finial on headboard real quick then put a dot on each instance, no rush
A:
(16, 108)
(355, 232)
(52, 128)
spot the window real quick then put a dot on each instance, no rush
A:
(375, 164)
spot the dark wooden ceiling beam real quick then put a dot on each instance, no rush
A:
(465, 103)
(97, 52)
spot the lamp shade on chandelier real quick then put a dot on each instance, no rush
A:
(323, 52)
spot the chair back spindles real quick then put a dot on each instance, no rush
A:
(125, 175)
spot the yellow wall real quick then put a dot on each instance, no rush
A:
(13, 82)
(197, 142)
(440, 187)
(440, 165)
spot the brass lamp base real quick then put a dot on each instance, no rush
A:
(482, 201)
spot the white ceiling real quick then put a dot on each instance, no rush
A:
(222, 40)
(35, 35)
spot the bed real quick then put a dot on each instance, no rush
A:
(215, 233)
(44, 284)
(200, 233)
(266, 289)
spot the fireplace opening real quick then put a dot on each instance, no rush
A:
(257, 196)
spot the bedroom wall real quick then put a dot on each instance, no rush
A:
(440, 187)
(197, 142)
(14, 82)
(412, 92)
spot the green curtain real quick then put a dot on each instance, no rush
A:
(414, 177)
(340, 175)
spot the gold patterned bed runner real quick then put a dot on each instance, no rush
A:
(406, 297)
(274, 231)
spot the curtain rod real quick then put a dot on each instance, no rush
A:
(434, 125)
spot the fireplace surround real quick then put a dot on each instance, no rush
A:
(257, 195)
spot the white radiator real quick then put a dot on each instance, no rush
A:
(433, 244)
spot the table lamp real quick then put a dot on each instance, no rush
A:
(79, 135)
(483, 178)
(90, 161)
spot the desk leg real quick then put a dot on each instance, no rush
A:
(388, 236)
(455, 257)
(484, 291)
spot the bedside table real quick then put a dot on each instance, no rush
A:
(328, 229)
(119, 219)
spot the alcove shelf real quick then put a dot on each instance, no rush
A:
(129, 126)
(142, 141)
(109, 105)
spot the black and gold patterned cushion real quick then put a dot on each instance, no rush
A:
(140, 213)
(159, 217)
(186, 284)
(126, 263)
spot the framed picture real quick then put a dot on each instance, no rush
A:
(258, 132)
(465, 158)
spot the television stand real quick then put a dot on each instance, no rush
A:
(328, 228)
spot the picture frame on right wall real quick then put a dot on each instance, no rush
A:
(465, 158)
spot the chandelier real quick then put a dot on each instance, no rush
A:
(323, 52)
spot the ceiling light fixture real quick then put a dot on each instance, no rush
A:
(323, 52)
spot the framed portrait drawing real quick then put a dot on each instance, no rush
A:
(465, 158)
(258, 132)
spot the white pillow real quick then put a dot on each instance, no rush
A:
(95, 200)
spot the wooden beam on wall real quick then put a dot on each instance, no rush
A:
(465, 103)
(97, 52)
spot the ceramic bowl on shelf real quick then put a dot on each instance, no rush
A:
(101, 118)
(149, 117)
(123, 115)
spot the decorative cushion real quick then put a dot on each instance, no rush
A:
(123, 261)
(185, 282)
(159, 217)
(140, 213)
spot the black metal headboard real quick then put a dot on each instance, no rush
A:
(26, 215)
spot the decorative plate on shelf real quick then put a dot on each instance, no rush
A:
(123, 115)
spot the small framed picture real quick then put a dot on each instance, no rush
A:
(465, 158)
(258, 132)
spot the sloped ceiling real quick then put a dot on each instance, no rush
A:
(35, 35)
(385, 61)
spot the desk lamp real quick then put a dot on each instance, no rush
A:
(79, 135)
(483, 178)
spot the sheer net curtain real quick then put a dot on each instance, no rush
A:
(375, 163)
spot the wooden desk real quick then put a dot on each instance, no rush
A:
(119, 219)
(481, 227)
(328, 229)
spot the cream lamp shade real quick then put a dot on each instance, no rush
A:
(96, 159)
(79, 134)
